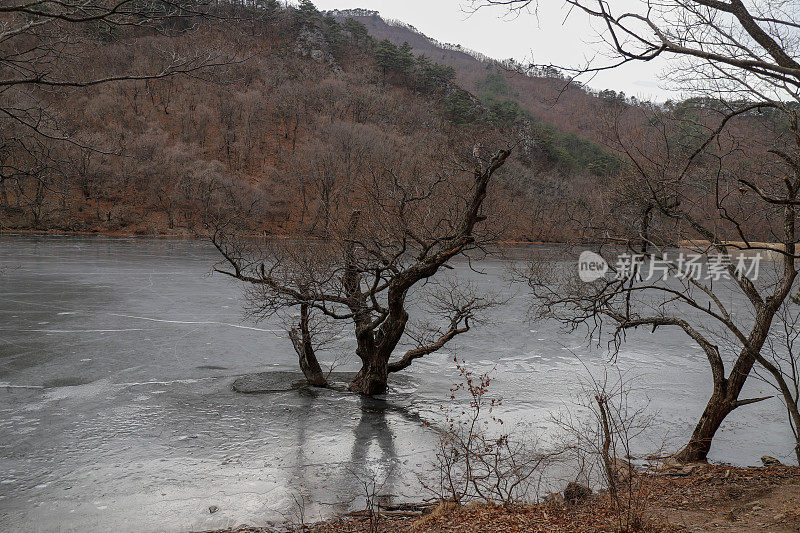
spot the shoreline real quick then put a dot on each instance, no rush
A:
(184, 236)
(687, 244)
(694, 498)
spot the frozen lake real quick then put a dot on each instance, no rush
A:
(116, 360)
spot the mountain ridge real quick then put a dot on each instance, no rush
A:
(544, 92)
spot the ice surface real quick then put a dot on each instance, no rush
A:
(116, 409)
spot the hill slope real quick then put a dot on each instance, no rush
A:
(299, 110)
(543, 94)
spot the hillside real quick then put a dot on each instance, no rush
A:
(294, 109)
(545, 94)
(582, 139)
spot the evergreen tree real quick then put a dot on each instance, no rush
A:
(359, 33)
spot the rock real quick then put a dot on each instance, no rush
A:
(271, 382)
(623, 470)
(576, 493)
(554, 497)
(780, 516)
(311, 42)
(213, 509)
(768, 460)
(265, 382)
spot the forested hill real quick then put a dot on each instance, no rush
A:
(281, 111)
(543, 93)
(463, 60)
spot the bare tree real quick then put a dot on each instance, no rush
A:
(329, 167)
(742, 58)
(407, 228)
(41, 44)
(44, 52)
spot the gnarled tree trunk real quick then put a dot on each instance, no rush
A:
(376, 344)
(699, 445)
(372, 379)
(725, 397)
(301, 339)
(374, 374)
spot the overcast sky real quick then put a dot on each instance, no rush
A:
(552, 38)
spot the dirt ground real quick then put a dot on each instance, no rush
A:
(732, 500)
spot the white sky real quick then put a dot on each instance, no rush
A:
(551, 38)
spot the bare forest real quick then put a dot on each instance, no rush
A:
(272, 259)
